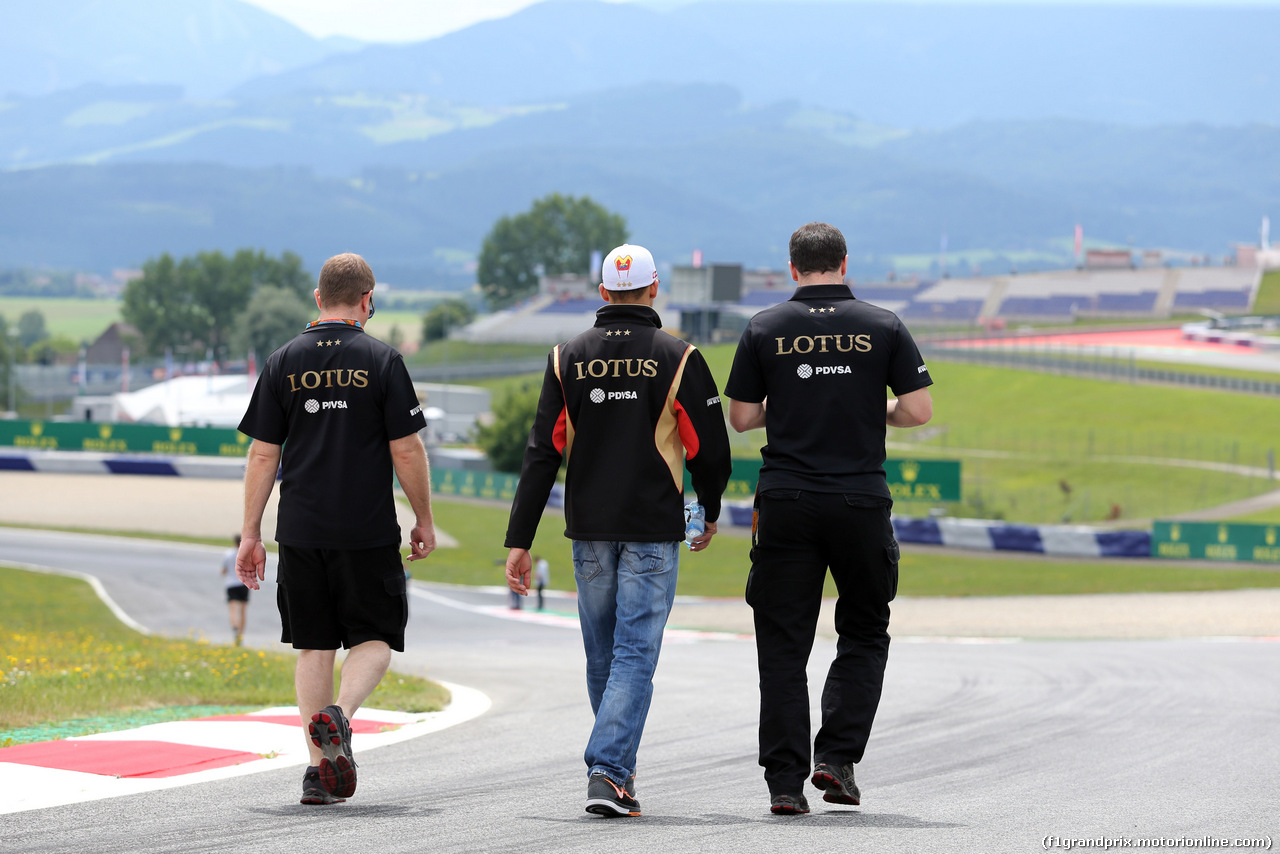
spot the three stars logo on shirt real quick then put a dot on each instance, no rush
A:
(820, 310)
(619, 333)
(331, 343)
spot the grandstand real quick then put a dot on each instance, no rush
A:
(1066, 295)
(545, 320)
(1147, 293)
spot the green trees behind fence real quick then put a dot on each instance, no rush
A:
(194, 305)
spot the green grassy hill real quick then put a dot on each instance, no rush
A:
(77, 318)
(1268, 299)
(722, 569)
(1039, 448)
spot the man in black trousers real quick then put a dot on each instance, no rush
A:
(813, 371)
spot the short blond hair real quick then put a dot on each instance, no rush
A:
(344, 279)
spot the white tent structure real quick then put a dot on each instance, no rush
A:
(221, 401)
(207, 401)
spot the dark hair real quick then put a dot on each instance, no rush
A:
(344, 279)
(817, 248)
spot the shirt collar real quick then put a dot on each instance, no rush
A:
(824, 292)
(331, 322)
(614, 313)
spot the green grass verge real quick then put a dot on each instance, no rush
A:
(1004, 408)
(65, 657)
(459, 352)
(1265, 517)
(924, 573)
(1121, 367)
(1055, 430)
(222, 542)
(1268, 300)
(409, 323)
(1208, 371)
(77, 318)
(722, 569)
(1029, 490)
(1051, 432)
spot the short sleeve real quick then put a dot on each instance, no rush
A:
(907, 370)
(265, 419)
(746, 383)
(402, 413)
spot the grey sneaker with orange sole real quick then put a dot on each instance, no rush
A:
(607, 798)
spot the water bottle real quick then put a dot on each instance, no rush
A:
(695, 523)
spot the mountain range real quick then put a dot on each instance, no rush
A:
(718, 126)
(203, 46)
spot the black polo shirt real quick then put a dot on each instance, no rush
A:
(335, 397)
(823, 360)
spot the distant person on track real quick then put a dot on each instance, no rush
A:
(629, 407)
(541, 577)
(237, 593)
(337, 408)
(812, 371)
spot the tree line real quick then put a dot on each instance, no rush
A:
(212, 304)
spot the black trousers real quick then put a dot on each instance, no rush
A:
(798, 536)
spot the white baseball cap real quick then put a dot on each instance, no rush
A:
(628, 268)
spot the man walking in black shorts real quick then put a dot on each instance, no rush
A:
(812, 371)
(347, 407)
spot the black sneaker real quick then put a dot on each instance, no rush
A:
(312, 792)
(788, 805)
(837, 781)
(607, 798)
(331, 732)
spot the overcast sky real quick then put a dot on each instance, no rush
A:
(415, 20)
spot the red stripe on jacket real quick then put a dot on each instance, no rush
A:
(688, 435)
(560, 434)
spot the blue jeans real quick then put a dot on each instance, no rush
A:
(625, 593)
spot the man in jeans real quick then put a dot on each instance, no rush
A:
(628, 406)
(813, 371)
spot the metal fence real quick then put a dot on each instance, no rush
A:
(55, 383)
(51, 383)
(476, 370)
(1118, 365)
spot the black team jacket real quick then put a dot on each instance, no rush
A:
(629, 406)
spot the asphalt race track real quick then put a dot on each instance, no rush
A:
(979, 747)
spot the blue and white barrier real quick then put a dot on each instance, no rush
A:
(86, 462)
(978, 534)
(556, 498)
(988, 535)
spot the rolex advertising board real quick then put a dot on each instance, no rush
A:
(923, 480)
(1215, 541)
(122, 438)
(474, 484)
(909, 480)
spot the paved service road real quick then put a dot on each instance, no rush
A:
(979, 747)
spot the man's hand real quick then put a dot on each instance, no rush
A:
(251, 562)
(519, 565)
(703, 540)
(422, 541)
